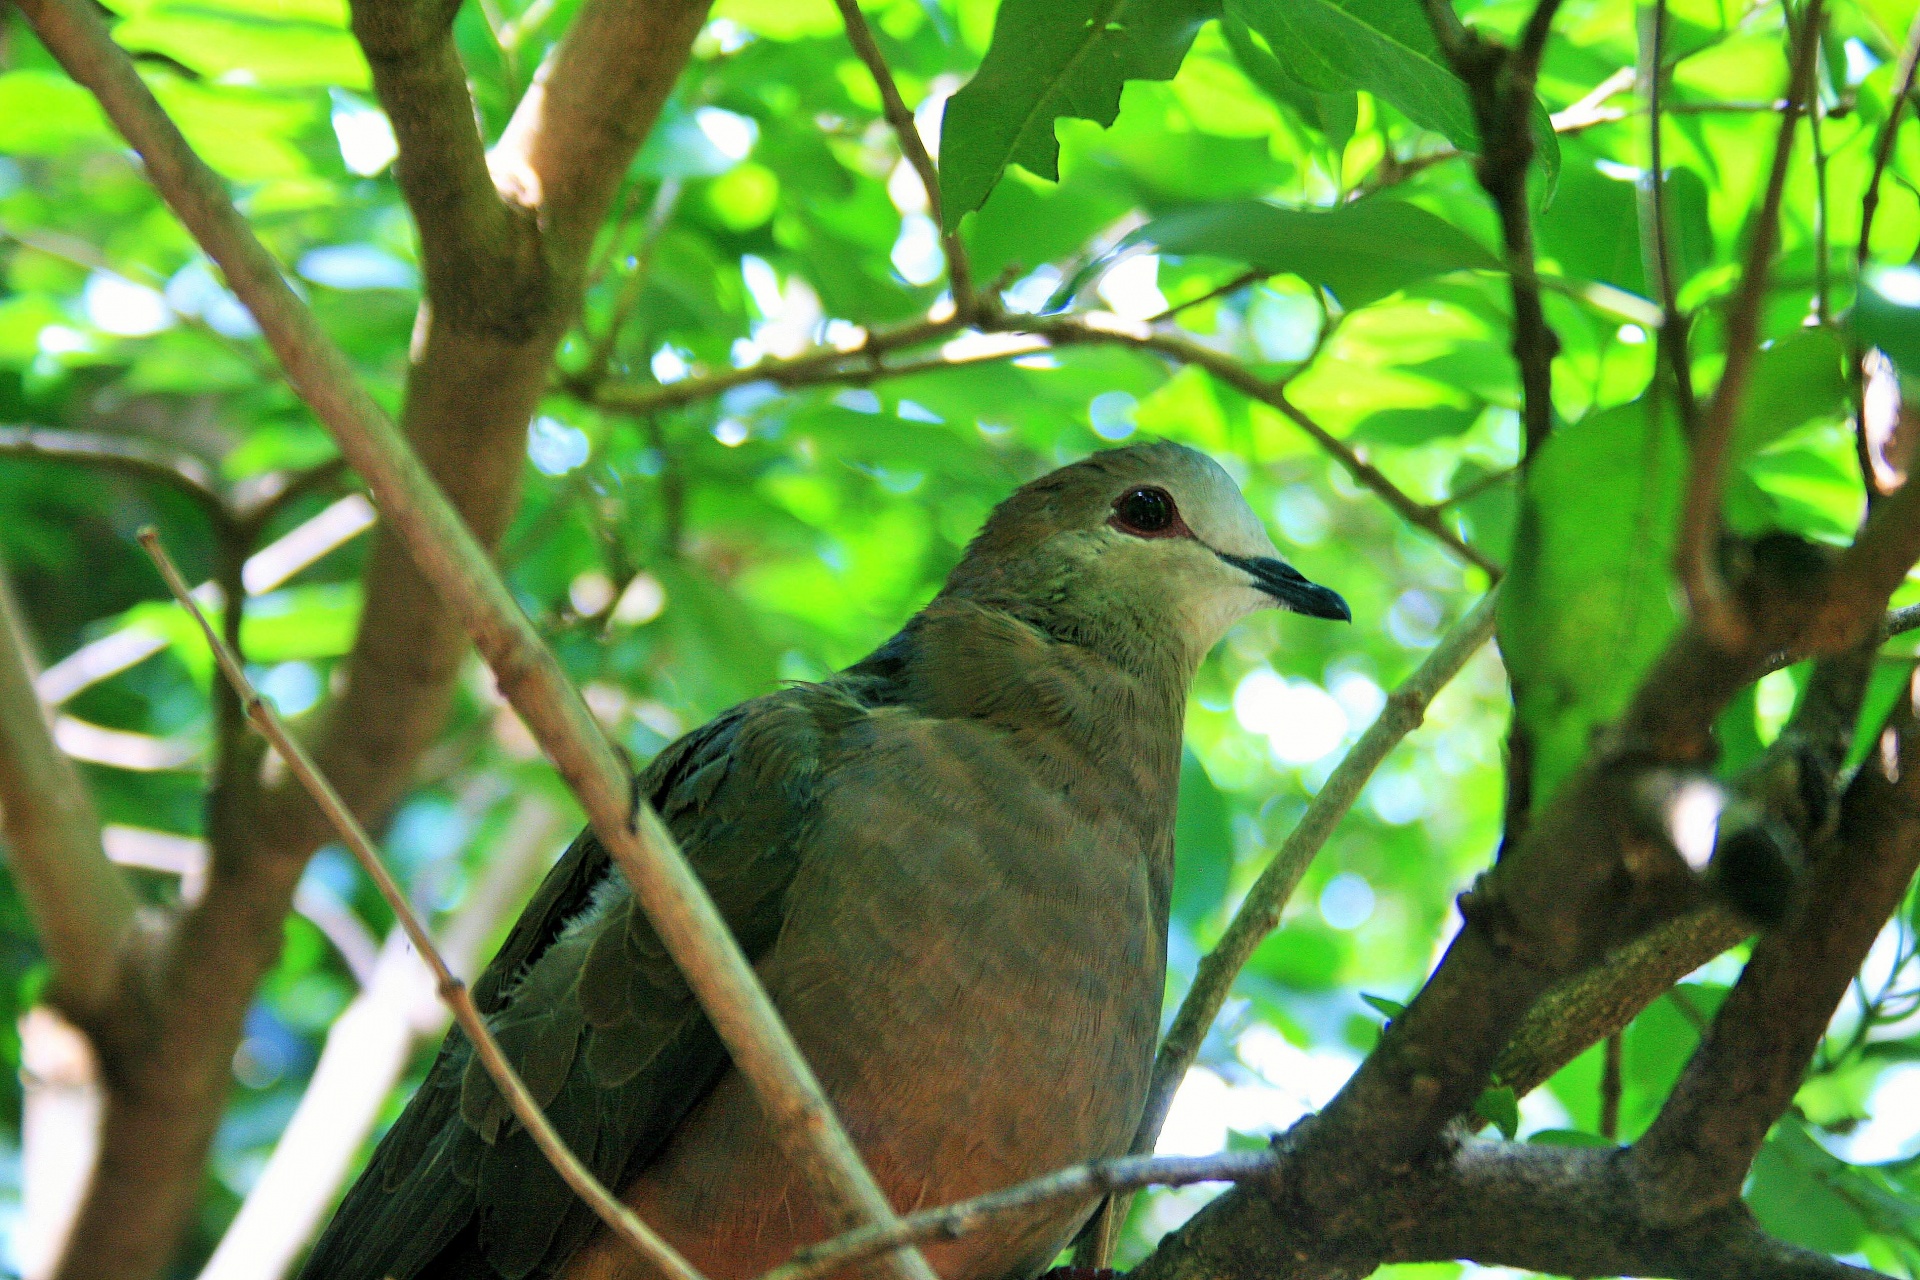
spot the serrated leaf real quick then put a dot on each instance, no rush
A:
(1361, 251)
(1499, 1107)
(1391, 1008)
(1053, 58)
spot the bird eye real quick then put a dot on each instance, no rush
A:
(1148, 511)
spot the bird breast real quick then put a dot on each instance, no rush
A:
(972, 961)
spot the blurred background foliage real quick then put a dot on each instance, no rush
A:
(688, 558)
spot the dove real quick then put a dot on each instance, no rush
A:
(950, 864)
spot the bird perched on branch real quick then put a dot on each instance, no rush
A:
(950, 863)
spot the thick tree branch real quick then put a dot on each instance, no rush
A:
(1697, 538)
(82, 908)
(1558, 1210)
(1694, 1157)
(620, 1219)
(1577, 1015)
(1571, 1211)
(590, 106)
(481, 258)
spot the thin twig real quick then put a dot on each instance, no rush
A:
(1473, 489)
(1883, 146)
(455, 564)
(1706, 477)
(1500, 86)
(180, 472)
(860, 36)
(1655, 232)
(865, 364)
(1822, 230)
(620, 1219)
(1234, 285)
(665, 200)
(1260, 913)
(950, 1222)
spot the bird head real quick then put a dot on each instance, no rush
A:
(1145, 550)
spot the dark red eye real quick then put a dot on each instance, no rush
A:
(1147, 511)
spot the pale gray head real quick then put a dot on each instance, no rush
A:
(1139, 551)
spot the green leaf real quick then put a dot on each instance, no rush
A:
(1391, 1008)
(1795, 380)
(1586, 606)
(1053, 58)
(43, 113)
(1500, 1107)
(1887, 315)
(1303, 956)
(267, 52)
(1361, 252)
(1409, 428)
(1202, 842)
(1385, 47)
(1569, 1138)
(1335, 114)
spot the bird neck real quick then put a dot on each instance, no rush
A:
(1071, 708)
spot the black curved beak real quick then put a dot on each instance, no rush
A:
(1288, 586)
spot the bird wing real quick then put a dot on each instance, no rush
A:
(594, 1015)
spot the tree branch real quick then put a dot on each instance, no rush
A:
(1259, 913)
(82, 908)
(588, 109)
(1601, 1002)
(1080, 1182)
(481, 258)
(454, 561)
(1883, 145)
(136, 458)
(1695, 1156)
(1571, 1211)
(1500, 85)
(618, 1218)
(1656, 241)
(1698, 534)
(866, 363)
(959, 275)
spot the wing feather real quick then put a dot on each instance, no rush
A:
(594, 1015)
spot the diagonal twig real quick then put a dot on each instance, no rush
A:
(1656, 239)
(950, 1222)
(620, 1219)
(1259, 913)
(860, 36)
(1889, 131)
(1706, 476)
(455, 564)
